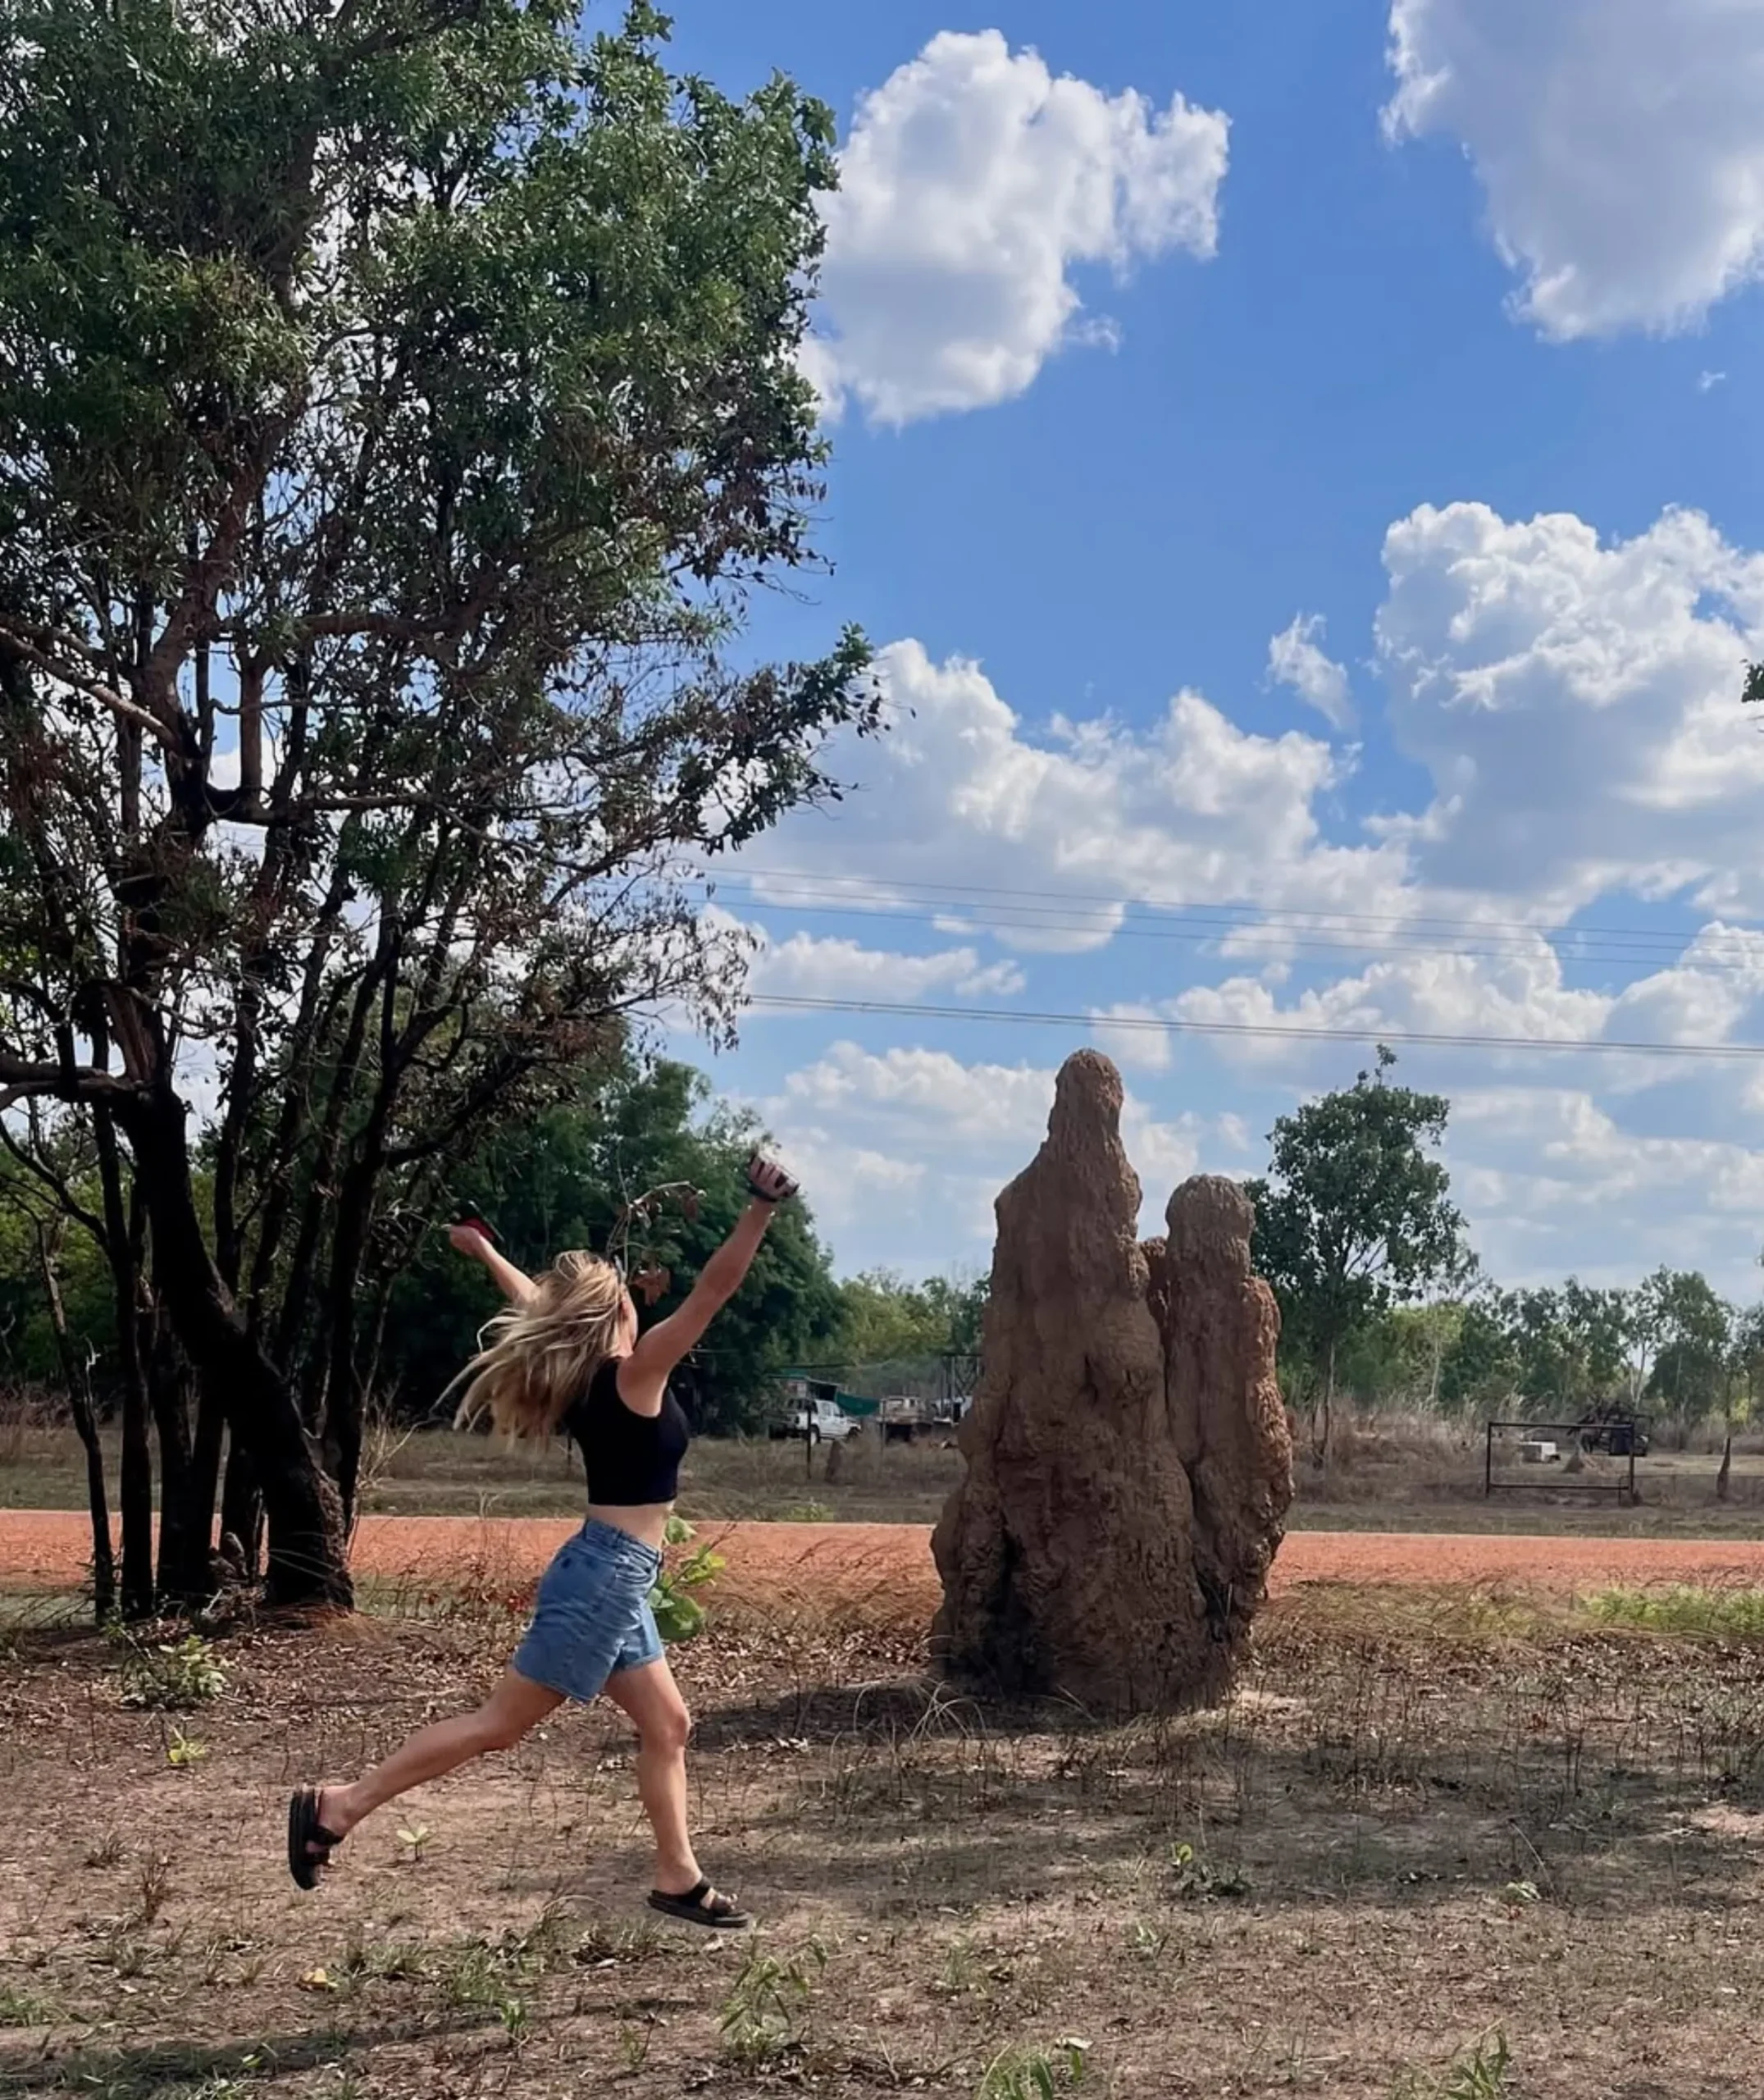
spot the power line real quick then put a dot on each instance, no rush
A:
(1265, 1030)
(1308, 932)
(1713, 957)
(878, 886)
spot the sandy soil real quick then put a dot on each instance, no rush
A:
(858, 1562)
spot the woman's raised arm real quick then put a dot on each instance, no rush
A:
(514, 1283)
(644, 1374)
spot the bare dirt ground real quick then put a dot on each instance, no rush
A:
(1429, 1819)
(849, 1566)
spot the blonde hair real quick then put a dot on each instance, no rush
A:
(536, 1358)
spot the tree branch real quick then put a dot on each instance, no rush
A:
(14, 640)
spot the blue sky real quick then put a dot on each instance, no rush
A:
(1300, 468)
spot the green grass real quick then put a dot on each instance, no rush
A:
(26, 2008)
(1682, 1610)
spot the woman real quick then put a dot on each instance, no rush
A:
(567, 1355)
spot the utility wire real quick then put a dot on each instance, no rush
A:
(1262, 1030)
(1300, 931)
(879, 887)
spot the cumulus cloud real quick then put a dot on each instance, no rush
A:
(973, 181)
(1295, 658)
(1617, 141)
(1519, 993)
(1123, 1031)
(807, 966)
(1079, 816)
(1556, 1183)
(1577, 704)
(959, 1131)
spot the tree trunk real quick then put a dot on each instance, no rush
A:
(307, 1551)
(184, 1525)
(342, 1386)
(136, 1487)
(1322, 1443)
(1725, 1474)
(242, 1511)
(79, 1378)
(205, 1471)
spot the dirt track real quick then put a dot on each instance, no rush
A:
(857, 1563)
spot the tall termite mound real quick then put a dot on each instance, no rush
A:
(1127, 1463)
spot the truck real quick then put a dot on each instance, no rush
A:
(816, 1414)
(822, 1422)
(907, 1420)
(1610, 1426)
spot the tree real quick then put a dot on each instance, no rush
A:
(1568, 1346)
(888, 1321)
(1694, 1330)
(1745, 1375)
(1480, 1366)
(1354, 1217)
(397, 403)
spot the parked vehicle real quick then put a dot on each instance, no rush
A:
(821, 1421)
(1612, 1428)
(905, 1420)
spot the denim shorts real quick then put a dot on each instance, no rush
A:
(592, 1619)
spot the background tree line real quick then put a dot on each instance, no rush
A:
(1383, 1300)
(563, 1177)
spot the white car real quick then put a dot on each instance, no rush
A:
(822, 1422)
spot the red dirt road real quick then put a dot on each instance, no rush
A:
(889, 1565)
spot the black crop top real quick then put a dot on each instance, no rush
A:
(632, 1459)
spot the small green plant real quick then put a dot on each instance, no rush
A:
(183, 1750)
(106, 1850)
(806, 1512)
(515, 2015)
(172, 1676)
(413, 1837)
(1021, 2073)
(634, 2046)
(765, 2016)
(1201, 1883)
(679, 1615)
(1146, 1942)
(26, 2009)
(1478, 2073)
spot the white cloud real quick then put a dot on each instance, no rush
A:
(1577, 705)
(973, 181)
(1519, 993)
(1142, 1048)
(1557, 1184)
(1618, 143)
(955, 1132)
(805, 966)
(1295, 658)
(1079, 820)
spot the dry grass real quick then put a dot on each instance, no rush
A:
(1441, 1845)
(1386, 1473)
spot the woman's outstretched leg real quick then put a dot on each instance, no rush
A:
(516, 1706)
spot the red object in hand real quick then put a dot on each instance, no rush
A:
(471, 1224)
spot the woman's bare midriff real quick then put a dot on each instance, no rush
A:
(644, 1520)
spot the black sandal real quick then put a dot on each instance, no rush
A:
(304, 1831)
(702, 1906)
